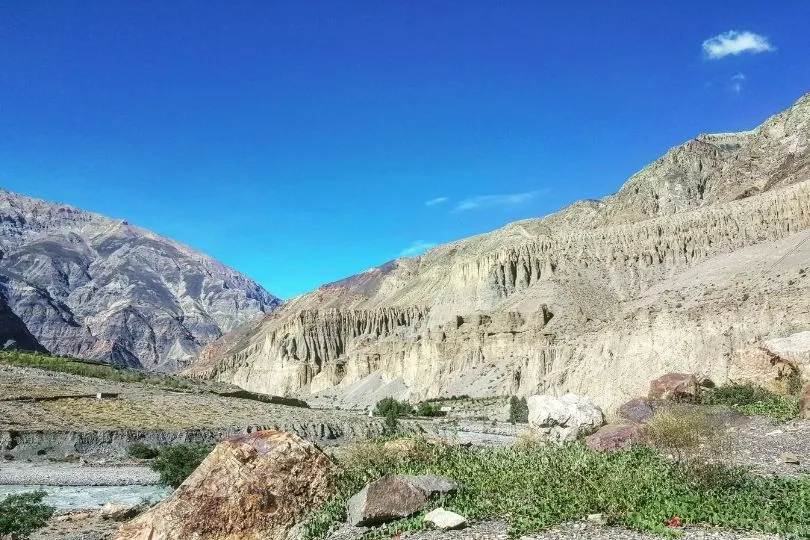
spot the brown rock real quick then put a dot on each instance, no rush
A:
(616, 437)
(763, 367)
(395, 496)
(250, 487)
(674, 386)
(637, 410)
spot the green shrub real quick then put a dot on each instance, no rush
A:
(175, 463)
(540, 487)
(142, 451)
(391, 407)
(23, 513)
(518, 410)
(429, 409)
(686, 431)
(749, 399)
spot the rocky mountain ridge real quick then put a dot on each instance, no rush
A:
(89, 286)
(675, 272)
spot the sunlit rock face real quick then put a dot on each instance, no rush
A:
(697, 261)
(89, 286)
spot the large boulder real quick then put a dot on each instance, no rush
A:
(636, 410)
(616, 437)
(565, 418)
(395, 496)
(250, 487)
(765, 368)
(674, 386)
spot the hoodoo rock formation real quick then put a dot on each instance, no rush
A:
(88, 286)
(699, 259)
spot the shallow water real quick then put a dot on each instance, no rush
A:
(83, 497)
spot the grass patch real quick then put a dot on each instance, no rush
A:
(687, 431)
(23, 513)
(535, 488)
(86, 368)
(752, 400)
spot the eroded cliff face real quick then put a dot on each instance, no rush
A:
(697, 259)
(88, 286)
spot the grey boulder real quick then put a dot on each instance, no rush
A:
(393, 497)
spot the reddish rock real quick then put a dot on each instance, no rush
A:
(250, 487)
(616, 437)
(674, 386)
(637, 410)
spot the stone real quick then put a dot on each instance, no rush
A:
(598, 299)
(616, 437)
(391, 497)
(804, 402)
(674, 386)
(763, 367)
(118, 512)
(565, 418)
(790, 458)
(598, 519)
(636, 410)
(395, 496)
(445, 520)
(251, 487)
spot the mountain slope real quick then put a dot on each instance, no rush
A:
(89, 286)
(673, 272)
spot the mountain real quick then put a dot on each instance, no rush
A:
(89, 286)
(696, 262)
(13, 332)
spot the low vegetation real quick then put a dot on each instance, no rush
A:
(174, 463)
(687, 431)
(23, 513)
(749, 399)
(538, 487)
(429, 409)
(89, 368)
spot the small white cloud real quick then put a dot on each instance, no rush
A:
(416, 248)
(734, 42)
(736, 82)
(437, 200)
(489, 201)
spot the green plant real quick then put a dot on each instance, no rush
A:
(749, 399)
(428, 409)
(23, 513)
(390, 406)
(518, 410)
(176, 462)
(142, 451)
(539, 487)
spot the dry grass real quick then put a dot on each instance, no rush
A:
(687, 432)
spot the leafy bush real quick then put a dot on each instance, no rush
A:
(176, 462)
(518, 410)
(142, 451)
(429, 409)
(23, 513)
(749, 399)
(686, 431)
(391, 407)
(536, 489)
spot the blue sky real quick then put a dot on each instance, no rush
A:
(301, 142)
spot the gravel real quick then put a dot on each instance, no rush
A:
(74, 474)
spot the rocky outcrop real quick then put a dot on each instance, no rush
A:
(563, 419)
(253, 487)
(88, 286)
(674, 386)
(13, 332)
(699, 259)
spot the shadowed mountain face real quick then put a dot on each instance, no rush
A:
(88, 286)
(13, 332)
(692, 265)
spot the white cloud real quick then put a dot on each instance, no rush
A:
(416, 248)
(489, 201)
(437, 200)
(734, 42)
(736, 82)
